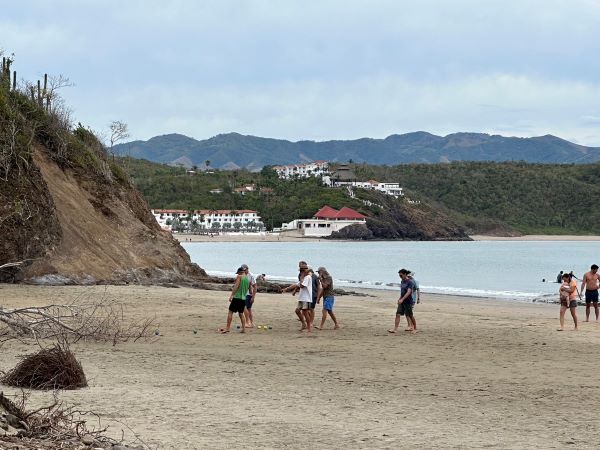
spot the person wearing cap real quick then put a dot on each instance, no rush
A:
(304, 288)
(250, 296)
(237, 300)
(326, 293)
(405, 305)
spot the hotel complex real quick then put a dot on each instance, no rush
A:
(209, 219)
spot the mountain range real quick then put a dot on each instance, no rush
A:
(234, 150)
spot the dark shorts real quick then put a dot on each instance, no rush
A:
(569, 303)
(313, 305)
(249, 301)
(237, 305)
(405, 309)
(591, 296)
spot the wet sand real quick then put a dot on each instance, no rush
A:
(480, 374)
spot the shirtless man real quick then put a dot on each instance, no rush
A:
(589, 285)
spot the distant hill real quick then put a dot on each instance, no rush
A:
(234, 150)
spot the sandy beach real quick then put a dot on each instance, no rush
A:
(296, 237)
(480, 374)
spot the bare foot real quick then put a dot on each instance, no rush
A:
(337, 327)
(243, 330)
(413, 331)
(559, 329)
(408, 329)
(223, 331)
(318, 328)
(391, 331)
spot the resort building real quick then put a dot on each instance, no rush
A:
(326, 221)
(344, 176)
(313, 169)
(209, 219)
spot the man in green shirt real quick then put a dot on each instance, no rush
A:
(237, 299)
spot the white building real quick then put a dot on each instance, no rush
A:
(393, 189)
(313, 169)
(209, 219)
(326, 221)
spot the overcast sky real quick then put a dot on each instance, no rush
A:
(327, 69)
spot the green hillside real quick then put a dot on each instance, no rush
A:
(531, 198)
(168, 187)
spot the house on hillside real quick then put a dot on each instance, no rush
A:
(313, 169)
(243, 190)
(344, 176)
(325, 221)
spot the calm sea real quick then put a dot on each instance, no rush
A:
(500, 269)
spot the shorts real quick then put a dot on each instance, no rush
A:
(249, 301)
(405, 309)
(303, 305)
(591, 296)
(569, 303)
(328, 303)
(313, 304)
(237, 305)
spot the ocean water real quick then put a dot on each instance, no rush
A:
(511, 270)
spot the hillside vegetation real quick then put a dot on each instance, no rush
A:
(494, 198)
(485, 197)
(389, 218)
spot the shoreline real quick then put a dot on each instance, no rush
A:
(537, 238)
(284, 237)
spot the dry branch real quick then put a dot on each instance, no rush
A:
(88, 320)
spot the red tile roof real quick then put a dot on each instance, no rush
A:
(326, 212)
(349, 213)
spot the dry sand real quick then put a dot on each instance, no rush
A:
(481, 374)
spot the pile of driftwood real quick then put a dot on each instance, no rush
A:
(48, 369)
(49, 428)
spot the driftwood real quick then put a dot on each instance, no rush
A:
(83, 319)
(53, 426)
(48, 369)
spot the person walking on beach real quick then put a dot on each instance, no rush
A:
(589, 285)
(416, 295)
(326, 293)
(315, 292)
(237, 300)
(304, 287)
(405, 305)
(248, 315)
(568, 300)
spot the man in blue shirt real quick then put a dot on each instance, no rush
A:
(405, 303)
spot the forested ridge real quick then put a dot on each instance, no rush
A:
(482, 197)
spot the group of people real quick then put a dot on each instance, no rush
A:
(311, 288)
(568, 294)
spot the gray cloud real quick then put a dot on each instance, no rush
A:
(319, 70)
